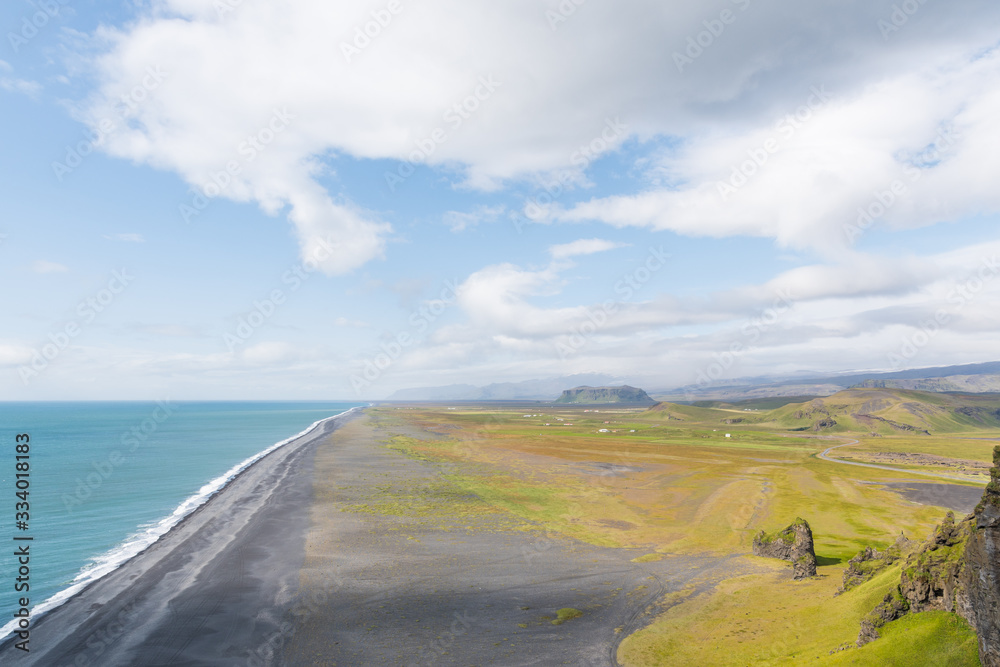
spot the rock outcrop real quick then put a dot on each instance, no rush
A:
(600, 395)
(956, 570)
(870, 562)
(794, 544)
(931, 579)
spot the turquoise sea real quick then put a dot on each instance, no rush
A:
(109, 478)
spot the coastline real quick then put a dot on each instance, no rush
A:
(196, 573)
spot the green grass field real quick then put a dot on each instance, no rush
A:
(681, 480)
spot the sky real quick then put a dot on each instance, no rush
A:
(313, 199)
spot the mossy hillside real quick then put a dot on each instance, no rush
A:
(891, 412)
(930, 639)
(769, 620)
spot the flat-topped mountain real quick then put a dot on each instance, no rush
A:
(594, 395)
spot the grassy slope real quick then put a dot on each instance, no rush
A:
(937, 413)
(772, 620)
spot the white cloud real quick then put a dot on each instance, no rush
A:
(14, 355)
(29, 88)
(269, 353)
(583, 247)
(459, 221)
(44, 266)
(910, 151)
(225, 75)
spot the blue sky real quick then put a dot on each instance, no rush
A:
(662, 192)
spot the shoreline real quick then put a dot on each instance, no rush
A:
(114, 615)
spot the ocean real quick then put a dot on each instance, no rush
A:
(109, 478)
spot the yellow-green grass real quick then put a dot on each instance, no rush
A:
(683, 489)
(772, 620)
(973, 447)
(566, 614)
(959, 455)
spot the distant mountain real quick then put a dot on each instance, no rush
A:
(977, 384)
(541, 390)
(600, 395)
(451, 392)
(973, 378)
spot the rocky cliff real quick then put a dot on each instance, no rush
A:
(957, 569)
(980, 579)
(794, 544)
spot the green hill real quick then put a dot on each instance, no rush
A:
(890, 411)
(696, 414)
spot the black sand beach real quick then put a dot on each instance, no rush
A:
(209, 591)
(387, 583)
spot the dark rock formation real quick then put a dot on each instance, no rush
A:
(957, 570)
(980, 580)
(870, 562)
(899, 426)
(595, 395)
(794, 544)
(893, 606)
(930, 580)
(824, 423)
